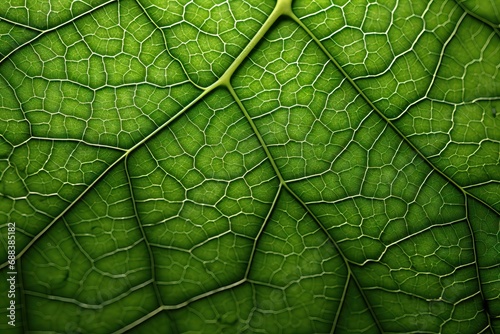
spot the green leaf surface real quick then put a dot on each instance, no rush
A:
(250, 167)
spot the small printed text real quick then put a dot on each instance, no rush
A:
(12, 273)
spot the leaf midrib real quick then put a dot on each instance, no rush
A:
(282, 9)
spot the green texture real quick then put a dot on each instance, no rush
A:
(251, 166)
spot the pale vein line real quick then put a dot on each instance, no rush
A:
(360, 92)
(101, 176)
(19, 24)
(180, 305)
(479, 18)
(44, 32)
(283, 8)
(148, 245)
(86, 305)
(268, 217)
(404, 138)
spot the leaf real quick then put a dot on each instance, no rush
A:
(246, 166)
